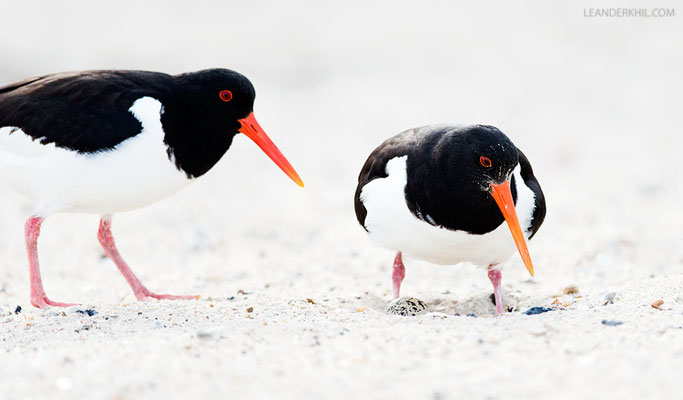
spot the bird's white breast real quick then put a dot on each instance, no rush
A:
(137, 172)
(391, 224)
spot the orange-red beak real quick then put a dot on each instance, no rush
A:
(253, 130)
(503, 196)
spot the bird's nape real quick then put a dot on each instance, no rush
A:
(251, 128)
(503, 196)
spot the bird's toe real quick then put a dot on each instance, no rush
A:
(44, 302)
(150, 295)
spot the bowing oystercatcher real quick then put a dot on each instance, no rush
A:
(442, 192)
(108, 141)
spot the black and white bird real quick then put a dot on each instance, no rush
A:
(109, 141)
(442, 193)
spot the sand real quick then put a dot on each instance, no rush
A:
(594, 103)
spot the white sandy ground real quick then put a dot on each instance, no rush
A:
(594, 103)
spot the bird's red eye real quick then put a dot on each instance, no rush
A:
(485, 161)
(225, 95)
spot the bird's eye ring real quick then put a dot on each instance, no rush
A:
(225, 95)
(485, 161)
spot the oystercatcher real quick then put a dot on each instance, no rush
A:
(108, 141)
(442, 192)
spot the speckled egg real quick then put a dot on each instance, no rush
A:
(407, 307)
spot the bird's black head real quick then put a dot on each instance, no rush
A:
(220, 96)
(204, 111)
(478, 155)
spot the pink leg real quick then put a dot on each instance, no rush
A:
(38, 297)
(141, 292)
(495, 276)
(398, 274)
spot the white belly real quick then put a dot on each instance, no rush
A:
(391, 224)
(136, 173)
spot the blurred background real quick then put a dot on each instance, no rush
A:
(595, 103)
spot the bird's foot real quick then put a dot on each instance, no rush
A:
(147, 295)
(41, 301)
(495, 276)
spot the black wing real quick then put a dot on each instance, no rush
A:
(530, 180)
(375, 166)
(82, 111)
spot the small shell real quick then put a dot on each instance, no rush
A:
(609, 298)
(611, 322)
(571, 289)
(657, 304)
(537, 310)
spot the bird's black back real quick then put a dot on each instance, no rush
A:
(530, 180)
(85, 112)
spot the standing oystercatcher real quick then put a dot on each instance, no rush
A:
(442, 192)
(108, 141)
